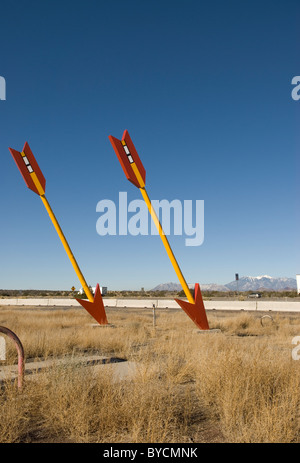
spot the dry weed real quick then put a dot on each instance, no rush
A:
(188, 386)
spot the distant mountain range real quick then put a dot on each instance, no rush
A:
(260, 283)
(168, 287)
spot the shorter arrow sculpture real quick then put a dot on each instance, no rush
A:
(136, 174)
(35, 180)
(195, 311)
(96, 308)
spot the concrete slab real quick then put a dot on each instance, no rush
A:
(96, 325)
(247, 305)
(214, 330)
(121, 369)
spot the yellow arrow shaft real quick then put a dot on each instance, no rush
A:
(67, 248)
(164, 239)
(167, 246)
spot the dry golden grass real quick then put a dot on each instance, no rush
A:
(240, 385)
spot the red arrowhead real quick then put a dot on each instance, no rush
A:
(195, 311)
(95, 309)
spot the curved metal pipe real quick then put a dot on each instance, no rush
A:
(20, 350)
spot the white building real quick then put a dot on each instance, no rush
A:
(103, 290)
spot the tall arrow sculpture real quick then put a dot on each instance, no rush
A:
(136, 174)
(35, 180)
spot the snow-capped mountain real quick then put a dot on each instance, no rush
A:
(168, 287)
(177, 287)
(263, 282)
(212, 287)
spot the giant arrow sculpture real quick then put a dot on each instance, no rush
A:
(136, 174)
(35, 180)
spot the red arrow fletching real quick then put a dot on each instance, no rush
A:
(125, 159)
(27, 164)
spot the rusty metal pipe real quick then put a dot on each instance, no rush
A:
(20, 350)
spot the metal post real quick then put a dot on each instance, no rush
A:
(154, 316)
(237, 283)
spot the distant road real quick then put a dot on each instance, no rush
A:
(253, 305)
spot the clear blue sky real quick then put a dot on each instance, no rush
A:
(204, 89)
